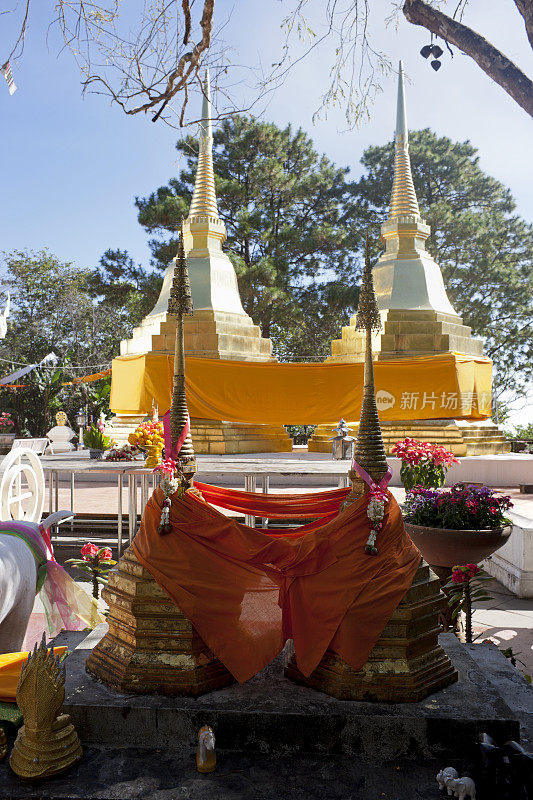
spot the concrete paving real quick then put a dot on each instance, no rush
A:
(159, 774)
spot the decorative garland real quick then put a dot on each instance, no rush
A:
(376, 506)
(170, 484)
(375, 512)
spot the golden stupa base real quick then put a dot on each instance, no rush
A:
(212, 437)
(151, 646)
(406, 664)
(226, 438)
(42, 754)
(406, 333)
(461, 437)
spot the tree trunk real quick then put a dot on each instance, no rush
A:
(496, 65)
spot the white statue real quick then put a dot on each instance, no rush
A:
(18, 579)
(18, 576)
(206, 759)
(61, 435)
(3, 318)
(445, 775)
(462, 788)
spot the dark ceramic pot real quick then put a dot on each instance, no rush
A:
(96, 454)
(443, 547)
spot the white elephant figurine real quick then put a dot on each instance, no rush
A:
(18, 577)
(445, 775)
(462, 788)
(21, 572)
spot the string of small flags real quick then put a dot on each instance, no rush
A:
(5, 69)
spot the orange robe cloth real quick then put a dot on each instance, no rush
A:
(247, 591)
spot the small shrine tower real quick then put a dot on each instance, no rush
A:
(416, 314)
(219, 327)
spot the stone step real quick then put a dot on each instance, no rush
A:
(140, 773)
(272, 715)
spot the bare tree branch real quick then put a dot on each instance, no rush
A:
(496, 65)
(526, 9)
(22, 34)
(187, 16)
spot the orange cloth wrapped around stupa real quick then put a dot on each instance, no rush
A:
(247, 590)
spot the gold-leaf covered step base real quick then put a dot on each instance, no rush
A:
(405, 665)
(151, 646)
(461, 440)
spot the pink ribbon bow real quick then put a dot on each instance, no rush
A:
(170, 451)
(375, 489)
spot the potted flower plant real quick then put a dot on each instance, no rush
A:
(95, 439)
(423, 463)
(96, 563)
(464, 524)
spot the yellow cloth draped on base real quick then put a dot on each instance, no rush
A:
(10, 667)
(450, 385)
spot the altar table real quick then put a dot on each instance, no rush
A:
(140, 477)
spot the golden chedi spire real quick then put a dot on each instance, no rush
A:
(369, 447)
(403, 200)
(406, 276)
(204, 200)
(180, 305)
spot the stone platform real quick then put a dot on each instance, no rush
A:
(159, 774)
(461, 437)
(270, 715)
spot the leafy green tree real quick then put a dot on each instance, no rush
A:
(483, 247)
(79, 314)
(287, 212)
(126, 288)
(34, 405)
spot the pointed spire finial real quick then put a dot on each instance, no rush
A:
(206, 127)
(204, 200)
(403, 200)
(367, 316)
(369, 448)
(401, 115)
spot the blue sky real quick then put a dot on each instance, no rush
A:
(71, 165)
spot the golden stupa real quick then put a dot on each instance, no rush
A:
(407, 662)
(219, 327)
(416, 315)
(150, 645)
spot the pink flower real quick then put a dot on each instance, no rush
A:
(89, 550)
(100, 425)
(167, 467)
(106, 555)
(458, 576)
(464, 573)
